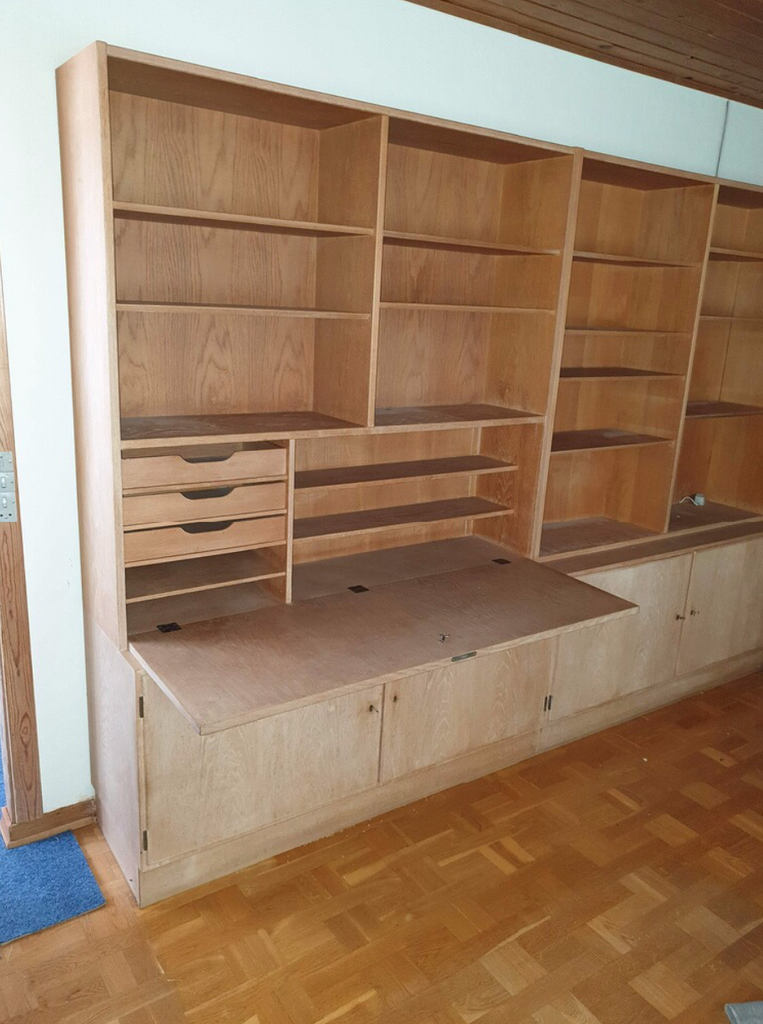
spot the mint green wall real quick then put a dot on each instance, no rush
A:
(384, 51)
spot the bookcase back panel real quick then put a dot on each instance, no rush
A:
(640, 406)
(357, 543)
(429, 357)
(372, 449)
(720, 458)
(659, 224)
(434, 193)
(738, 227)
(632, 298)
(167, 262)
(175, 364)
(193, 158)
(629, 485)
(743, 371)
(172, 154)
(535, 204)
(710, 353)
(519, 359)
(733, 289)
(411, 274)
(334, 500)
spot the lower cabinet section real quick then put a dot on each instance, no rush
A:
(724, 615)
(447, 712)
(215, 803)
(604, 662)
(204, 789)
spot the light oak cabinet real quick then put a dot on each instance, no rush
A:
(724, 615)
(601, 663)
(445, 713)
(205, 789)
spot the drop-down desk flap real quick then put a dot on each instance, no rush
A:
(228, 671)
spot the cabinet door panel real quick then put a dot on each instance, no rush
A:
(725, 608)
(439, 715)
(202, 789)
(600, 663)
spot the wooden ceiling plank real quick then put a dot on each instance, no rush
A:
(589, 24)
(721, 74)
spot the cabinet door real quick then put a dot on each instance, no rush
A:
(600, 663)
(439, 715)
(725, 608)
(202, 789)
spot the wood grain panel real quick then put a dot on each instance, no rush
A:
(724, 615)
(436, 716)
(490, 606)
(206, 789)
(617, 658)
(173, 154)
(179, 364)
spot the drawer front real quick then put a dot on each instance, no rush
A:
(179, 542)
(192, 506)
(175, 470)
(204, 789)
(447, 712)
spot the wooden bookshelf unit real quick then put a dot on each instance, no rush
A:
(344, 377)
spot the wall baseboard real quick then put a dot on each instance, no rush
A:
(63, 819)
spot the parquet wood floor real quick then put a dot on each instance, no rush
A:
(617, 880)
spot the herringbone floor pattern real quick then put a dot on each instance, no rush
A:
(617, 880)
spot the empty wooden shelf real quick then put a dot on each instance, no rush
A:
(142, 430)
(149, 582)
(448, 415)
(698, 410)
(581, 534)
(397, 515)
(735, 255)
(579, 440)
(607, 372)
(463, 244)
(685, 515)
(626, 261)
(349, 476)
(148, 212)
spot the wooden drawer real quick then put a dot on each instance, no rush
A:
(193, 506)
(163, 544)
(197, 466)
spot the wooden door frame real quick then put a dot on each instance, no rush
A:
(18, 718)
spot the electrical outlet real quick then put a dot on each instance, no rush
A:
(8, 512)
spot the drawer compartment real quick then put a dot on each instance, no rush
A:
(166, 543)
(212, 503)
(202, 465)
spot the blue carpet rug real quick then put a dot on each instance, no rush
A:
(43, 884)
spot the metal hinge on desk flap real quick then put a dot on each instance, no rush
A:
(145, 840)
(141, 707)
(463, 657)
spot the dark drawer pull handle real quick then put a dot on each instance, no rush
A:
(206, 527)
(215, 492)
(206, 458)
